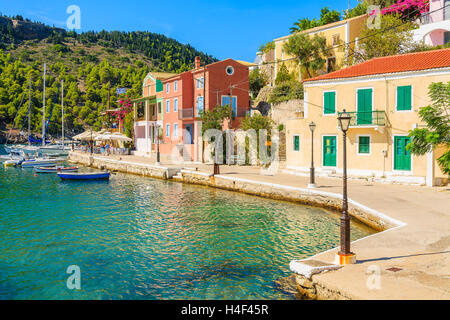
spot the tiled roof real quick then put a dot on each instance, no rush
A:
(400, 63)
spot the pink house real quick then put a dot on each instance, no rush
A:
(435, 26)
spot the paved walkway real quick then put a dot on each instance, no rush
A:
(421, 248)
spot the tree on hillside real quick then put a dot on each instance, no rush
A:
(437, 131)
(283, 75)
(394, 37)
(309, 51)
(360, 9)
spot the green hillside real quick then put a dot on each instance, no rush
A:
(88, 63)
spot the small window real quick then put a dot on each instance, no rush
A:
(159, 107)
(229, 70)
(329, 102)
(167, 130)
(404, 98)
(175, 86)
(447, 33)
(364, 145)
(167, 87)
(167, 106)
(175, 105)
(331, 64)
(335, 39)
(202, 80)
(175, 130)
(296, 143)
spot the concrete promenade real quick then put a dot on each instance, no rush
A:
(419, 250)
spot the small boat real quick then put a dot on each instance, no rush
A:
(39, 163)
(12, 162)
(84, 176)
(55, 169)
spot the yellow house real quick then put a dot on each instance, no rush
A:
(383, 96)
(341, 35)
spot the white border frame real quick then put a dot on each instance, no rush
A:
(323, 103)
(337, 150)
(226, 72)
(167, 100)
(168, 131)
(299, 142)
(403, 172)
(175, 86)
(227, 95)
(357, 144)
(412, 99)
(175, 104)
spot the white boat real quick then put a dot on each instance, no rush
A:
(39, 163)
(55, 169)
(12, 162)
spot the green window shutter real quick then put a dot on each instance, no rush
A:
(364, 145)
(296, 143)
(404, 98)
(329, 103)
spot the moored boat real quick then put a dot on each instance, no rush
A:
(55, 169)
(84, 176)
(12, 162)
(39, 163)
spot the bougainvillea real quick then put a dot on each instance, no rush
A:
(125, 107)
(410, 8)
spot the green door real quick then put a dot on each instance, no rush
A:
(329, 151)
(402, 157)
(364, 115)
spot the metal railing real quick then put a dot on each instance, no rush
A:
(364, 119)
(186, 113)
(439, 15)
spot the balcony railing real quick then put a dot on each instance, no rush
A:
(185, 113)
(440, 15)
(241, 112)
(367, 119)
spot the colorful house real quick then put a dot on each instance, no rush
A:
(180, 98)
(341, 36)
(148, 113)
(383, 96)
(435, 25)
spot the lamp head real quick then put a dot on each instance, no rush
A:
(344, 120)
(312, 126)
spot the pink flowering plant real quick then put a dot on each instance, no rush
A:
(408, 9)
(125, 107)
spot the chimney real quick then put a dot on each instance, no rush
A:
(197, 62)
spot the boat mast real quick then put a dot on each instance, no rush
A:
(29, 111)
(62, 111)
(43, 112)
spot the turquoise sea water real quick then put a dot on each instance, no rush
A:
(140, 238)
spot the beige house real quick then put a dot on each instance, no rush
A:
(383, 96)
(341, 35)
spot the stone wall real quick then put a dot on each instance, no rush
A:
(283, 111)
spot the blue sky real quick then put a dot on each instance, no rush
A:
(225, 29)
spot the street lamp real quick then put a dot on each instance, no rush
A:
(312, 184)
(345, 256)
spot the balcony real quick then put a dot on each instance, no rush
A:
(372, 119)
(185, 113)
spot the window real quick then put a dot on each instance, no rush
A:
(175, 86)
(159, 107)
(229, 70)
(335, 39)
(329, 102)
(167, 87)
(226, 101)
(404, 98)
(447, 33)
(331, 64)
(364, 145)
(199, 105)
(296, 143)
(167, 106)
(175, 105)
(202, 82)
(167, 130)
(198, 83)
(175, 130)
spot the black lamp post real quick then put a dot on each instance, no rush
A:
(158, 160)
(345, 255)
(312, 184)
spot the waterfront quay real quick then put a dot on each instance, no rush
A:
(408, 259)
